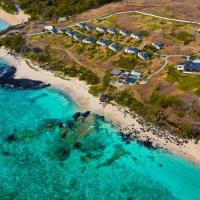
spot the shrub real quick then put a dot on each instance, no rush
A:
(184, 37)
(126, 62)
(14, 42)
(8, 6)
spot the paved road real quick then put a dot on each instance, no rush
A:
(162, 67)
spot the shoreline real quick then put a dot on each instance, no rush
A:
(129, 123)
(13, 19)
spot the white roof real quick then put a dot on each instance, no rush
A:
(196, 61)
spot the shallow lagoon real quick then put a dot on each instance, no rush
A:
(38, 162)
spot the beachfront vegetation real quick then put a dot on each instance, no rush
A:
(8, 6)
(14, 42)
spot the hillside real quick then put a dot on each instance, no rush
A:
(182, 9)
(47, 9)
(169, 99)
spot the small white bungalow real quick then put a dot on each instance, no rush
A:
(81, 25)
(124, 33)
(78, 37)
(61, 31)
(143, 55)
(158, 45)
(103, 42)
(136, 74)
(62, 19)
(131, 50)
(89, 28)
(54, 31)
(112, 31)
(114, 47)
(137, 36)
(48, 28)
(89, 40)
(101, 29)
(70, 33)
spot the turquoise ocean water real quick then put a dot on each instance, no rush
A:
(40, 161)
(3, 25)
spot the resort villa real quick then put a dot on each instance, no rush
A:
(131, 50)
(158, 45)
(116, 72)
(124, 33)
(89, 40)
(114, 47)
(81, 25)
(48, 28)
(89, 28)
(62, 19)
(54, 30)
(126, 76)
(137, 36)
(51, 29)
(70, 33)
(101, 29)
(112, 31)
(61, 31)
(103, 42)
(143, 55)
(135, 74)
(78, 37)
(189, 66)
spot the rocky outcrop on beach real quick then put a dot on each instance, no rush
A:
(153, 141)
(7, 80)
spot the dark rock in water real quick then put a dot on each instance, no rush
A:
(63, 154)
(70, 124)
(148, 144)
(7, 80)
(76, 116)
(77, 145)
(86, 114)
(5, 153)
(61, 125)
(22, 83)
(7, 72)
(100, 117)
(11, 138)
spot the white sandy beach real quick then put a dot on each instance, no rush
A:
(78, 90)
(11, 19)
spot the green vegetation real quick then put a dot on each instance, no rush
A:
(184, 37)
(150, 50)
(46, 61)
(14, 42)
(187, 82)
(145, 33)
(128, 62)
(125, 98)
(164, 101)
(45, 9)
(104, 86)
(8, 6)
